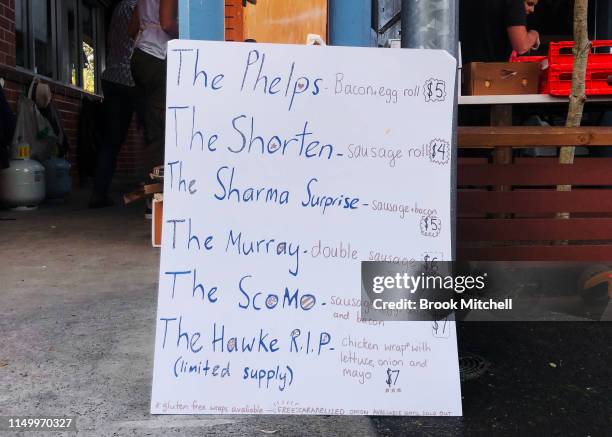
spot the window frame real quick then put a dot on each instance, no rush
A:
(59, 54)
(25, 33)
(98, 39)
(63, 57)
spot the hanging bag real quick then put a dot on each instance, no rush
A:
(33, 129)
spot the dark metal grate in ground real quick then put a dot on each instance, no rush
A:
(472, 366)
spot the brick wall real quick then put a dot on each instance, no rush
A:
(7, 32)
(66, 98)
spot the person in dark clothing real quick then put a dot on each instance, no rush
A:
(120, 101)
(490, 30)
(153, 24)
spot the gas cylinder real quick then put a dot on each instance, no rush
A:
(22, 185)
(57, 177)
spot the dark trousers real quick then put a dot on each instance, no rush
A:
(120, 102)
(149, 74)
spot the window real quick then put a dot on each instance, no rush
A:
(88, 45)
(61, 39)
(21, 32)
(69, 42)
(42, 23)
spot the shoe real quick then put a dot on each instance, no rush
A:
(96, 201)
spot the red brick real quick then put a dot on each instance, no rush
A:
(5, 47)
(6, 24)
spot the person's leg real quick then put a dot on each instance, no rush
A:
(118, 111)
(149, 74)
(157, 116)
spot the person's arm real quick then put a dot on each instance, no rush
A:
(134, 25)
(168, 11)
(522, 40)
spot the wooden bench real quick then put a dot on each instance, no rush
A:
(519, 221)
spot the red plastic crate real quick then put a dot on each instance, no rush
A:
(561, 63)
(543, 87)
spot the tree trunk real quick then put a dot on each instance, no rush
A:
(582, 47)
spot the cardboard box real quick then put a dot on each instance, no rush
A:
(501, 78)
(157, 220)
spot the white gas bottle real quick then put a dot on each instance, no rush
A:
(22, 185)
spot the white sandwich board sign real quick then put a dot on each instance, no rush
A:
(286, 166)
